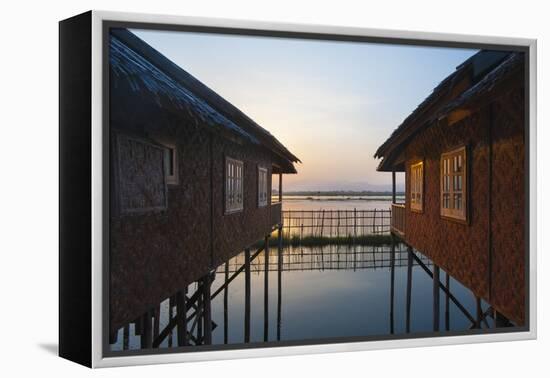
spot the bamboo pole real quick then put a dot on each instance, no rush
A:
(126, 337)
(266, 288)
(207, 312)
(354, 222)
(374, 222)
(479, 312)
(156, 324)
(225, 305)
(146, 339)
(247, 295)
(199, 320)
(436, 298)
(451, 296)
(181, 311)
(338, 225)
(392, 285)
(409, 287)
(447, 314)
(279, 282)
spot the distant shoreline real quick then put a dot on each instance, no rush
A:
(334, 193)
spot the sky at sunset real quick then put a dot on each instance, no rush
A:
(330, 103)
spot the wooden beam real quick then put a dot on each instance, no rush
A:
(436, 298)
(266, 288)
(247, 295)
(225, 306)
(181, 318)
(207, 304)
(237, 272)
(447, 313)
(171, 305)
(146, 331)
(190, 302)
(279, 280)
(442, 287)
(199, 319)
(409, 288)
(156, 323)
(392, 284)
(126, 337)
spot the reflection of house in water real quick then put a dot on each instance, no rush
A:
(463, 154)
(190, 180)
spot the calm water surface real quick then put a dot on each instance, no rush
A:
(324, 292)
(329, 291)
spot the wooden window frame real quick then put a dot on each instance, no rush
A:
(416, 206)
(232, 179)
(171, 179)
(449, 188)
(262, 202)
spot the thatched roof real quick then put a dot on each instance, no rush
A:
(485, 69)
(137, 65)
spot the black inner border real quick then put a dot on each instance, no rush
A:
(108, 24)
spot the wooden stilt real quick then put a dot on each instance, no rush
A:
(247, 295)
(225, 305)
(200, 313)
(126, 337)
(442, 287)
(146, 331)
(479, 313)
(392, 284)
(171, 304)
(113, 337)
(181, 311)
(447, 314)
(279, 281)
(436, 298)
(409, 287)
(207, 283)
(156, 322)
(266, 288)
(137, 328)
(500, 320)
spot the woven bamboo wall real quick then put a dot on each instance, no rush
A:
(155, 254)
(462, 249)
(509, 208)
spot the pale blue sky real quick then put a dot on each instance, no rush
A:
(331, 103)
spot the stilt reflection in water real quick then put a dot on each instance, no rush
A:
(321, 292)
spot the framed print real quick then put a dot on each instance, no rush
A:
(235, 189)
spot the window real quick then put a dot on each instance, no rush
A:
(453, 184)
(139, 177)
(171, 164)
(417, 186)
(233, 185)
(262, 187)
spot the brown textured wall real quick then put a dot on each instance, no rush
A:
(234, 231)
(462, 249)
(508, 210)
(459, 248)
(154, 255)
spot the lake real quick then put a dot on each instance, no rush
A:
(295, 202)
(324, 292)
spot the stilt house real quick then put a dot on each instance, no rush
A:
(464, 158)
(190, 178)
